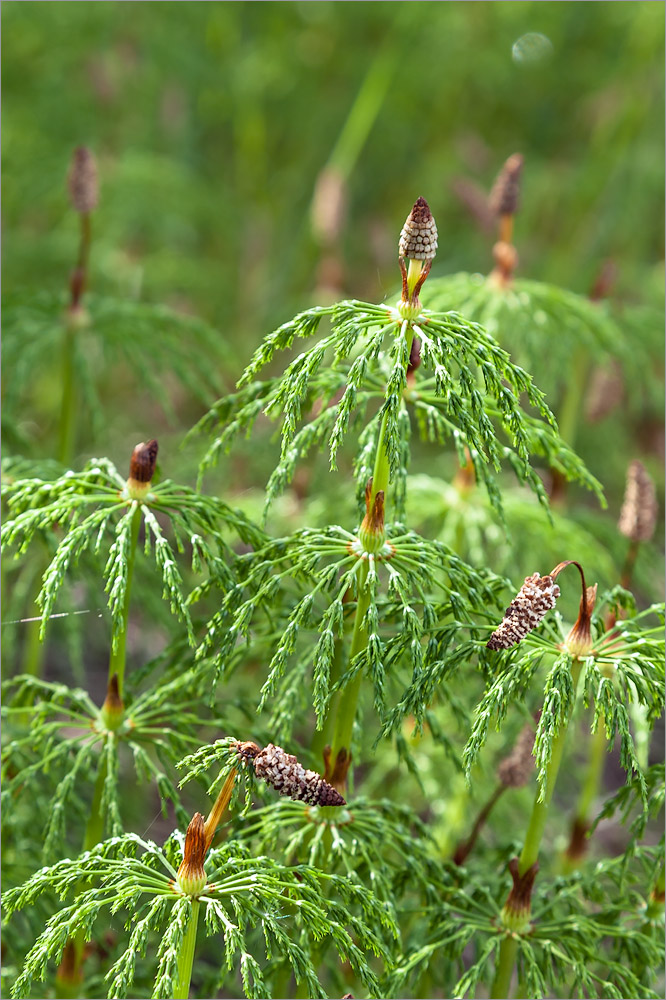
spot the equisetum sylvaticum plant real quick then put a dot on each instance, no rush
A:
(381, 744)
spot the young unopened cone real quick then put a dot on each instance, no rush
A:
(418, 239)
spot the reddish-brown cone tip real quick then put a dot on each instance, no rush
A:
(143, 461)
(504, 196)
(418, 239)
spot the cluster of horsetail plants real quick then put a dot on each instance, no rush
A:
(378, 649)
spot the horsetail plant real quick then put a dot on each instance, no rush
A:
(255, 904)
(465, 389)
(352, 632)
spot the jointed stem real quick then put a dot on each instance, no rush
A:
(530, 852)
(119, 651)
(95, 825)
(345, 708)
(186, 957)
(68, 407)
(598, 746)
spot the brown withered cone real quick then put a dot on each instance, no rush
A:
(143, 461)
(418, 239)
(537, 595)
(288, 777)
(504, 196)
(82, 181)
(638, 517)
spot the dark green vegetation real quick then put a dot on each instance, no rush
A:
(341, 509)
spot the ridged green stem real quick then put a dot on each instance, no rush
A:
(508, 952)
(568, 416)
(69, 985)
(595, 768)
(68, 406)
(119, 652)
(186, 957)
(94, 832)
(597, 748)
(534, 835)
(530, 852)
(345, 711)
(322, 737)
(348, 700)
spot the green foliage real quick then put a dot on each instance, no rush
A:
(136, 876)
(473, 387)
(94, 504)
(626, 665)
(588, 930)
(68, 743)
(362, 645)
(531, 319)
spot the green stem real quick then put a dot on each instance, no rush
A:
(567, 418)
(322, 737)
(533, 837)
(595, 767)
(346, 707)
(33, 660)
(598, 745)
(370, 97)
(68, 405)
(506, 961)
(186, 957)
(119, 648)
(71, 978)
(95, 825)
(530, 852)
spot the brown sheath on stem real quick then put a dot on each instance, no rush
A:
(191, 875)
(519, 903)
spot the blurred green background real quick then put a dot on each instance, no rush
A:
(213, 121)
